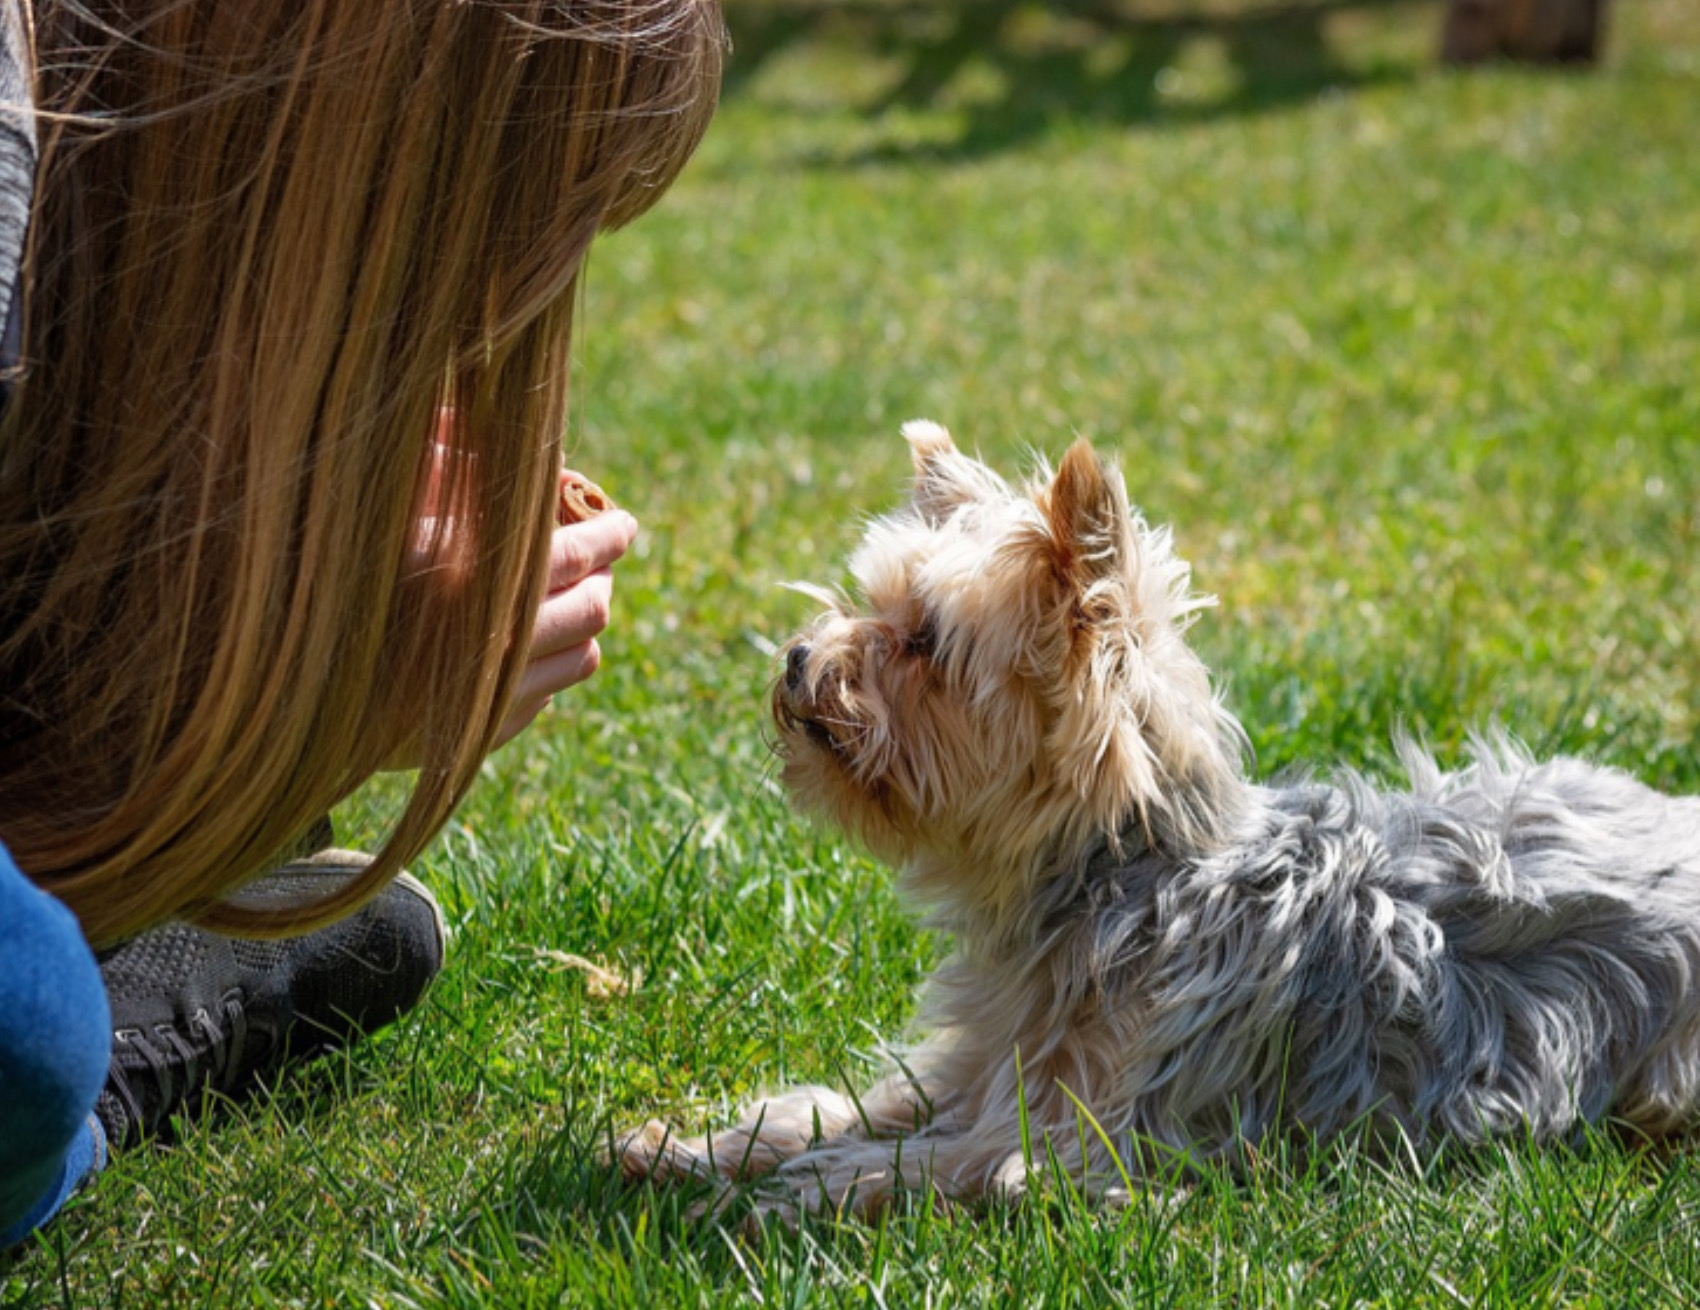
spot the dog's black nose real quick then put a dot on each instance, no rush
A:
(796, 665)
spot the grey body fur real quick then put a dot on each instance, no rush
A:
(1514, 946)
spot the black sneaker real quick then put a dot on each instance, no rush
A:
(194, 1012)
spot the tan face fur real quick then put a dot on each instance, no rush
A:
(1010, 682)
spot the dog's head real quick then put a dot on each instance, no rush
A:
(1011, 681)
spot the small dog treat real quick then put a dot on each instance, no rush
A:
(580, 499)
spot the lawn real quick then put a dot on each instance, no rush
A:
(1408, 357)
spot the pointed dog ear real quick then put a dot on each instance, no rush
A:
(1088, 514)
(939, 485)
(927, 442)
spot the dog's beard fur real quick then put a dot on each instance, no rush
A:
(1009, 713)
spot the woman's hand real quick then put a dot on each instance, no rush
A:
(563, 649)
(581, 589)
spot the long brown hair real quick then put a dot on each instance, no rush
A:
(270, 243)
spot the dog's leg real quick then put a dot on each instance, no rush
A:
(993, 1158)
(778, 1129)
(861, 1176)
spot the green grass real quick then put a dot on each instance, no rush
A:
(1408, 357)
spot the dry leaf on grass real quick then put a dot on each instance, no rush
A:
(600, 982)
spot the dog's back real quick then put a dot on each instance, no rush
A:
(1511, 948)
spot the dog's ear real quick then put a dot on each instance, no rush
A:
(1087, 509)
(928, 442)
(939, 485)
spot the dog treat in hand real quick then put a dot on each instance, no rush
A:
(580, 499)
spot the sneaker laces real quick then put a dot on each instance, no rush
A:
(175, 1062)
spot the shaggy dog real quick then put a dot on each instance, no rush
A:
(1156, 958)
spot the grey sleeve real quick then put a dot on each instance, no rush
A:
(17, 170)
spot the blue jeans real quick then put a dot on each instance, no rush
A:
(55, 1042)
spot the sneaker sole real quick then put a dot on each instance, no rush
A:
(419, 889)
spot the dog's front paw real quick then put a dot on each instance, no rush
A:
(859, 1180)
(654, 1152)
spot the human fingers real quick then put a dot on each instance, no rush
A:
(520, 716)
(573, 615)
(546, 676)
(580, 549)
(541, 680)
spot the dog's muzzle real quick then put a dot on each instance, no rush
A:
(796, 668)
(794, 700)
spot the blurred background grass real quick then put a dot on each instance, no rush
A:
(1408, 358)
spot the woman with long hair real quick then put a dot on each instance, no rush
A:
(281, 437)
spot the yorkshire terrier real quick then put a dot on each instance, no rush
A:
(1157, 959)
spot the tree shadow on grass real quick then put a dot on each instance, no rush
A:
(1070, 60)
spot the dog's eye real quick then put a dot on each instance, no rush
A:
(921, 639)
